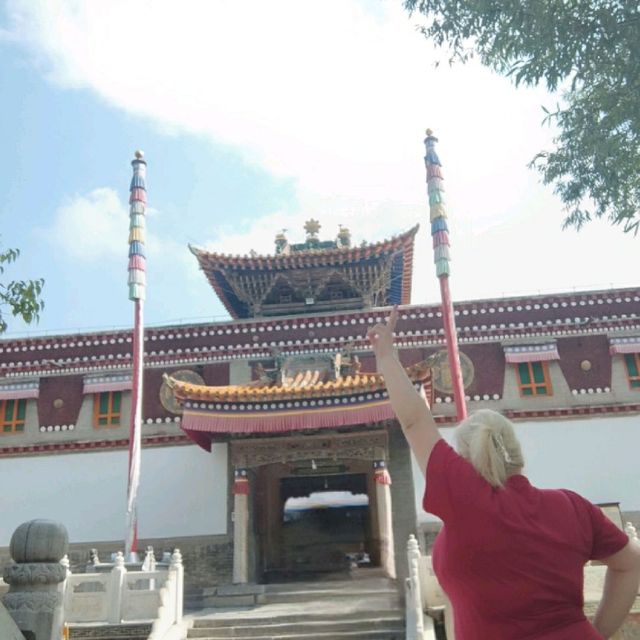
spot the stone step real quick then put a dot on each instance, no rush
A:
(382, 590)
(109, 632)
(250, 619)
(299, 629)
(379, 634)
(333, 585)
(338, 610)
(377, 596)
(385, 599)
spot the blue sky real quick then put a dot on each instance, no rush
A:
(254, 117)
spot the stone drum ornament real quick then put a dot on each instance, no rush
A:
(33, 600)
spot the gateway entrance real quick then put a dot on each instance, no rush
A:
(325, 522)
(317, 524)
(311, 507)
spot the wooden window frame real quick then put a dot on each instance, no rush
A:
(111, 416)
(535, 387)
(15, 423)
(633, 378)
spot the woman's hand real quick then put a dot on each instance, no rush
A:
(381, 336)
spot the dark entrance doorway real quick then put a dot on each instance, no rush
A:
(325, 522)
(315, 525)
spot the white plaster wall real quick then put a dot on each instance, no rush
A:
(597, 457)
(183, 492)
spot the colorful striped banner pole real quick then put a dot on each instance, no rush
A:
(137, 285)
(441, 257)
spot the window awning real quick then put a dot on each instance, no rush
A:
(628, 344)
(20, 390)
(531, 352)
(103, 383)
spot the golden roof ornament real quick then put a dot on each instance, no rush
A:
(312, 227)
(282, 243)
(344, 237)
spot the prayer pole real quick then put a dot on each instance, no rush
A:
(441, 257)
(137, 284)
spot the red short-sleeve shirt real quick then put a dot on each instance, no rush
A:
(511, 559)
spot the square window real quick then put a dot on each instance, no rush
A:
(13, 414)
(533, 379)
(106, 409)
(632, 362)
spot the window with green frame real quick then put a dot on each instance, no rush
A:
(632, 360)
(13, 414)
(106, 409)
(533, 379)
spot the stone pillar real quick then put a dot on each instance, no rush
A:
(385, 525)
(413, 593)
(34, 600)
(176, 566)
(116, 584)
(240, 527)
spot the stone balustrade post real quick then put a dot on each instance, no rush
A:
(415, 615)
(631, 531)
(115, 588)
(176, 566)
(34, 599)
(62, 588)
(149, 564)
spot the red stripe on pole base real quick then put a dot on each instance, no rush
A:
(381, 476)
(241, 487)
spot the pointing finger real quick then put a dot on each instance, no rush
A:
(393, 318)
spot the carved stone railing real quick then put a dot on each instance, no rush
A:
(122, 596)
(419, 625)
(168, 624)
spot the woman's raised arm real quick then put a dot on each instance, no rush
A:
(410, 407)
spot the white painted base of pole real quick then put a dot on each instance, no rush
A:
(240, 539)
(385, 528)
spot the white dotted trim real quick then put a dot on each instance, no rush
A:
(56, 428)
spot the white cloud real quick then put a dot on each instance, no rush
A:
(91, 227)
(335, 94)
(323, 499)
(329, 93)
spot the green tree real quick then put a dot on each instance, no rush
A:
(588, 51)
(19, 297)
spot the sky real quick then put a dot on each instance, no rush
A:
(256, 116)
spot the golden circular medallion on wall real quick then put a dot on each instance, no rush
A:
(167, 398)
(441, 373)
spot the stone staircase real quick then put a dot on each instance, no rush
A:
(109, 632)
(367, 607)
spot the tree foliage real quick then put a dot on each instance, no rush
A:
(589, 51)
(22, 298)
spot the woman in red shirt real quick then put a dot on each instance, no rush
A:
(509, 556)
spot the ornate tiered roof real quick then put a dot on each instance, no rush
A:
(312, 276)
(291, 397)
